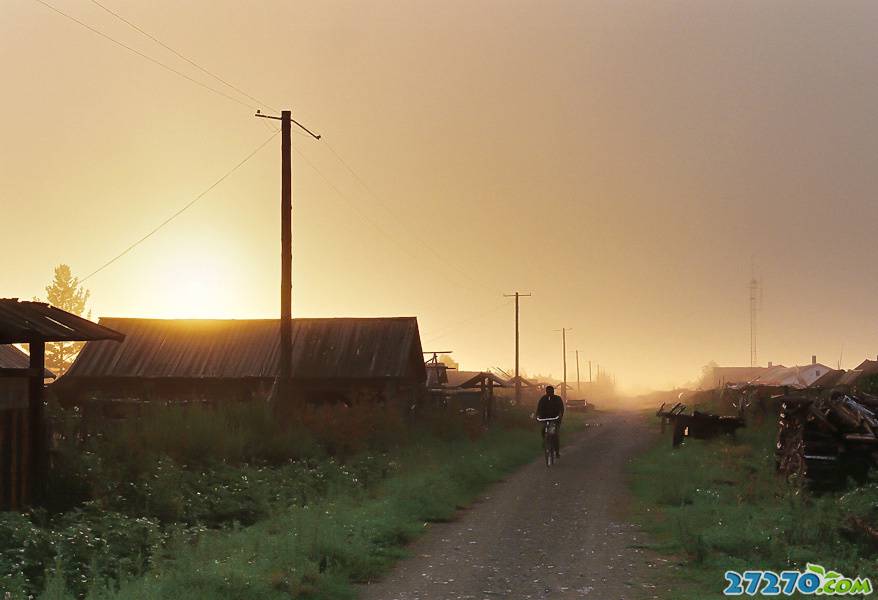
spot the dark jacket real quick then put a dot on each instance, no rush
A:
(550, 407)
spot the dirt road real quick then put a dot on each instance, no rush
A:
(542, 533)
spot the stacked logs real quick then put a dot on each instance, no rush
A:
(698, 425)
(825, 440)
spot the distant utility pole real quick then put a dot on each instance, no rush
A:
(589, 372)
(578, 381)
(754, 312)
(564, 331)
(517, 295)
(285, 357)
(755, 307)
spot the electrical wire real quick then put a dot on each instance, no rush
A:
(456, 325)
(225, 82)
(185, 207)
(390, 212)
(181, 55)
(145, 56)
(398, 242)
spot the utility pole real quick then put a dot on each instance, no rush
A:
(285, 356)
(517, 295)
(564, 331)
(578, 381)
(286, 256)
(589, 372)
(755, 307)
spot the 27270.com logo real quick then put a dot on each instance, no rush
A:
(815, 579)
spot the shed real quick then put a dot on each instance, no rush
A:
(333, 359)
(24, 458)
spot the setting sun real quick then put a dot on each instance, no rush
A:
(197, 282)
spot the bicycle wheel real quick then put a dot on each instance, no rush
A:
(550, 455)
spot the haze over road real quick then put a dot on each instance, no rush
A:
(542, 533)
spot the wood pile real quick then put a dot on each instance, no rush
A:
(825, 440)
(698, 425)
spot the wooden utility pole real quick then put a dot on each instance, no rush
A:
(286, 258)
(564, 331)
(39, 451)
(564, 351)
(285, 356)
(517, 295)
(578, 381)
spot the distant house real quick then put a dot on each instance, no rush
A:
(473, 379)
(471, 391)
(799, 376)
(334, 360)
(723, 376)
(868, 367)
(832, 378)
(856, 377)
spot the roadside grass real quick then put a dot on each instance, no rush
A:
(164, 509)
(717, 505)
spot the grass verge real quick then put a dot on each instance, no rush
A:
(717, 505)
(182, 510)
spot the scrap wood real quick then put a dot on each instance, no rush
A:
(826, 439)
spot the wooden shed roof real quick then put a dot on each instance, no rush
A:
(24, 321)
(345, 348)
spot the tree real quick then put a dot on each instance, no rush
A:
(707, 380)
(448, 361)
(65, 292)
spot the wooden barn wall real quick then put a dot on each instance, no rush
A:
(103, 394)
(14, 444)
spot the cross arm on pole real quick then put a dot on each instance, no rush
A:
(316, 136)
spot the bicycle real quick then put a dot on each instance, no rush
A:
(550, 438)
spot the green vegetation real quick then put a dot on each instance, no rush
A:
(717, 505)
(226, 503)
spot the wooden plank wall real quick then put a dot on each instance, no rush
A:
(14, 459)
(14, 445)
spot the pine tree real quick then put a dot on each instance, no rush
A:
(65, 292)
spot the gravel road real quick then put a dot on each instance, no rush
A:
(543, 533)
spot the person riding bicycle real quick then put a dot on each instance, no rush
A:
(549, 407)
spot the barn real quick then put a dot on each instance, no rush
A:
(194, 360)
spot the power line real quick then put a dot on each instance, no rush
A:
(181, 210)
(146, 56)
(182, 56)
(452, 327)
(402, 245)
(378, 201)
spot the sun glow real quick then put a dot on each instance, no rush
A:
(198, 282)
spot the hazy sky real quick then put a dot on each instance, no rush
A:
(622, 160)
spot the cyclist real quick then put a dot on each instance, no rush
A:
(549, 407)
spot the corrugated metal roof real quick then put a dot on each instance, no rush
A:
(13, 358)
(851, 377)
(366, 348)
(868, 367)
(829, 379)
(23, 321)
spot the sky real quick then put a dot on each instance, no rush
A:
(629, 163)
